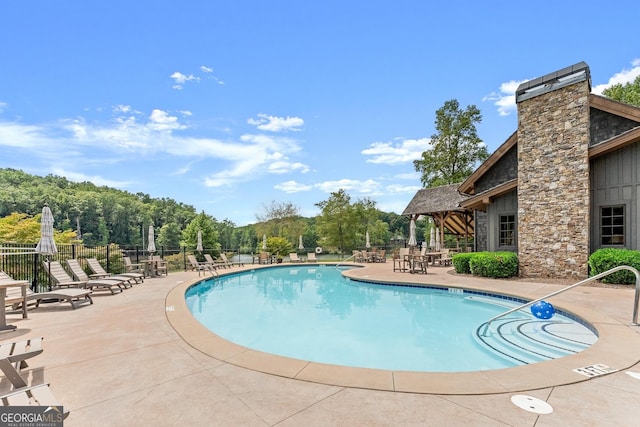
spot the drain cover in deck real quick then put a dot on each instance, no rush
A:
(531, 404)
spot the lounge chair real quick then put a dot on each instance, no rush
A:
(311, 257)
(293, 257)
(110, 284)
(228, 263)
(37, 395)
(60, 277)
(214, 262)
(100, 273)
(131, 267)
(445, 258)
(201, 266)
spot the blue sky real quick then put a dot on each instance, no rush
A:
(228, 106)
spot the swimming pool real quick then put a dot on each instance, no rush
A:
(311, 312)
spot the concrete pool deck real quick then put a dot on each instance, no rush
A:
(121, 362)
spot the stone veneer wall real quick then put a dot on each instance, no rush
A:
(553, 183)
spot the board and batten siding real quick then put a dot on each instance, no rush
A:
(615, 180)
(506, 204)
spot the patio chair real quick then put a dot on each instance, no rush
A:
(111, 284)
(13, 357)
(101, 273)
(37, 395)
(445, 258)
(380, 256)
(201, 266)
(132, 267)
(160, 265)
(311, 257)
(264, 258)
(293, 257)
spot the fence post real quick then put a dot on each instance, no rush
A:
(184, 257)
(34, 286)
(108, 267)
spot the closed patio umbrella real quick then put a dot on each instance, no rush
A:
(432, 238)
(46, 245)
(438, 242)
(152, 244)
(412, 233)
(199, 247)
(301, 244)
(264, 242)
(367, 243)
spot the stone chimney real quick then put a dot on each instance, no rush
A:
(553, 174)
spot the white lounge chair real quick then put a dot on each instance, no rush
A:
(293, 257)
(311, 257)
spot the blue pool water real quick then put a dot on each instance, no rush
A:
(313, 313)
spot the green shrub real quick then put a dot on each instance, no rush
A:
(461, 262)
(606, 259)
(494, 264)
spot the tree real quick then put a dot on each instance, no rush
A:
(455, 149)
(169, 235)
(281, 220)
(210, 237)
(337, 223)
(628, 93)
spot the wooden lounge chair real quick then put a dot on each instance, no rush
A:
(18, 299)
(264, 258)
(311, 257)
(37, 395)
(59, 275)
(293, 257)
(99, 272)
(228, 263)
(214, 262)
(110, 284)
(201, 266)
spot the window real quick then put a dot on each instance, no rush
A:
(507, 230)
(612, 225)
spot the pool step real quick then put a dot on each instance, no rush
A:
(525, 339)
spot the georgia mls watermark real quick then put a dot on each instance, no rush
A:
(31, 416)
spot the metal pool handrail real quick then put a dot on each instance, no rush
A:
(590, 279)
(344, 260)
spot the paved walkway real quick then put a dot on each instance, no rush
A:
(120, 362)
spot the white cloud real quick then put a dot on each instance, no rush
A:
(206, 69)
(162, 121)
(505, 99)
(269, 123)
(397, 188)
(623, 77)
(3, 105)
(293, 187)
(405, 151)
(408, 175)
(180, 79)
(368, 187)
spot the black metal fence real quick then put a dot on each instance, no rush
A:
(21, 262)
